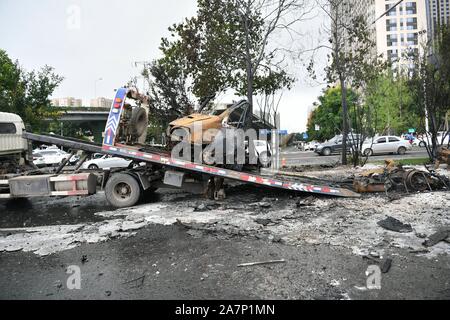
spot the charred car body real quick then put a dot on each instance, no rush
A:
(219, 136)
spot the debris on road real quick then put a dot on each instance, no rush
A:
(136, 283)
(386, 265)
(437, 237)
(395, 177)
(443, 157)
(264, 222)
(264, 205)
(420, 251)
(306, 202)
(261, 263)
(371, 259)
(395, 225)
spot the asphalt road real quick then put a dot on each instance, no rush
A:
(164, 262)
(298, 158)
(176, 261)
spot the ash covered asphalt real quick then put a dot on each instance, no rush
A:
(181, 246)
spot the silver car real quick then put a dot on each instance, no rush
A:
(386, 144)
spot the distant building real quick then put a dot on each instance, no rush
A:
(402, 30)
(67, 102)
(438, 14)
(101, 103)
(55, 102)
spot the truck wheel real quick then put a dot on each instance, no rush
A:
(122, 190)
(139, 122)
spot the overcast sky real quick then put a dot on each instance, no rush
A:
(106, 40)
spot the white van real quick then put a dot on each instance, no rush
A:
(12, 145)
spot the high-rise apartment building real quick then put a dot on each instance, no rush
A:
(402, 30)
(438, 14)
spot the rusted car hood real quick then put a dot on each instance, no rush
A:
(189, 120)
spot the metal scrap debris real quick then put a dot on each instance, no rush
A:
(306, 202)
(261, 263)
(443, 157)
(395, 177)
(136, 283)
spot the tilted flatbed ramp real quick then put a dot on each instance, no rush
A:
(155, 158)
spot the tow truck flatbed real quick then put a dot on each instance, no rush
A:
(136, 154)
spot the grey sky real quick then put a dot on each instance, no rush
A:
(110, 37)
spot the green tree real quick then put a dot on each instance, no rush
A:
(27, 93)
(430, 84)
(169, 93)
(227, 46)
(352, 61)
(392, 105)
(328, 114)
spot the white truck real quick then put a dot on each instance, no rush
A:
(13, 147)
(19, 176)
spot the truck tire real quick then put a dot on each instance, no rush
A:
(139, 122)
(122, 190)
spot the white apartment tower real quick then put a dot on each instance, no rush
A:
(438, 13)
(401, 31)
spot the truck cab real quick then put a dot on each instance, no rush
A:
(13, 147)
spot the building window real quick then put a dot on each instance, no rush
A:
(411, 8)
(392, 12)
(391, 25)
(392, 40)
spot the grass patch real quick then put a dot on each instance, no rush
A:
(405, 162)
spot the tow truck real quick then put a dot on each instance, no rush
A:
(152, 168)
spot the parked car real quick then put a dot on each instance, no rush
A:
(106, 161)
(263, 152)
(335, 145)
(311, 146)
(386, 144)
(52, 157)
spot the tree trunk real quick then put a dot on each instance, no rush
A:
(344, 120)
(249, 70)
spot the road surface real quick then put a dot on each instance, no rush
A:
(298, 158)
